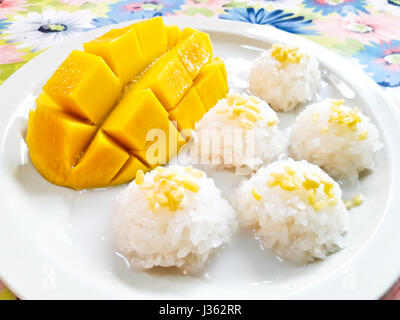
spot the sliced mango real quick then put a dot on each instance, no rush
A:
(99, 165)
(121, 50)
(55, 141)
(211, 84)
(187, 32)
(188, 111)
(152, 38)
(45, 100)
(85, 86)
(195, 51)
(136, 114)
(173, 35)
(168, 80)
(163, 145)
(106, 112)
(220, 63)
(128, 171)
(171, 76)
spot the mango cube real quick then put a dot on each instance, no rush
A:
(187, 32)
(55, 141)
(152, 38)
(121, 50)
(45, 100)
(211, 84)
(85, 86)
(100, 163)
(188, 111)
(173, 35)
(220, 63)
(171, 76)
(128, 171)
(168, 80)
(135, 115)
(164, 144)
(195, 51)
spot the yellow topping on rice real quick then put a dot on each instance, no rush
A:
(248, 106)
(348, 118)
(325, 129)
(168, 187)
(289, 180)
(222, 110)
(246, 124)
(357, 200)
(272, 122)
(363, 135)
(256, 194)
(286, 54)
(316, 116)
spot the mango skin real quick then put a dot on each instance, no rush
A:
(85, 86)
(55, 141)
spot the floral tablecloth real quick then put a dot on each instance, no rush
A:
(365, 31)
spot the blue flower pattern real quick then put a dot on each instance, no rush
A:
(3, 24)
(340, 7)
(129, 10)
(382, 61)
(280, 19)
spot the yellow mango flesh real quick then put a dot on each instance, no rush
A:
(195, 51)
(171, 76)
(164, 144)
(187, 32)
(120, 48)
(45, 100)
(188, 111)
(85, 86)
(173, 35)
(168, 80)
(128, 171)
(137, 113)
(81, 141)
(152, 37)
(55, 141)
(211, 83)
(99, 165)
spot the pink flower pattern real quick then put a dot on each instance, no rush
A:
(9, 7)
(9, 54)
(363, 27)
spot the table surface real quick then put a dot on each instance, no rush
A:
(364, 31)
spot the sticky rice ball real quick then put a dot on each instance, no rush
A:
(240, 131)
(340, 139)
(284, 77)
(295, 209)
(171, 216)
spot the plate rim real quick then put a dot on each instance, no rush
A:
(12, 278)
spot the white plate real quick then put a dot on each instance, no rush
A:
(54, 242)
